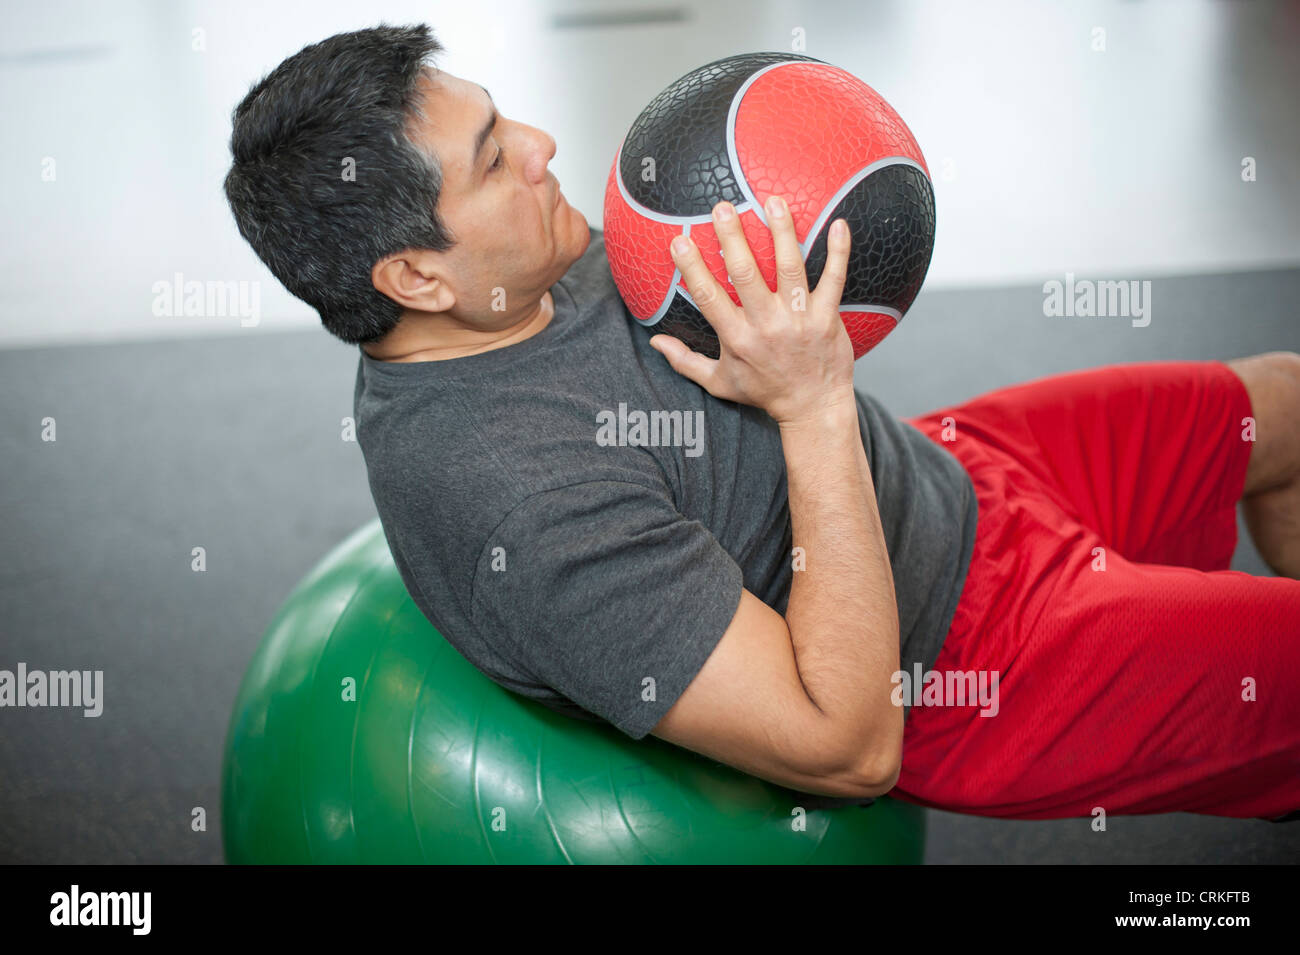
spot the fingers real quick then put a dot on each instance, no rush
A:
(687, 363)
(830, 287)
(709, 296)
(791, 280)
(746, 279)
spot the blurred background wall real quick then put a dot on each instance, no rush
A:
(1049, 153)
(1104, 139)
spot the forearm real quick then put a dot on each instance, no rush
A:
(842, 612)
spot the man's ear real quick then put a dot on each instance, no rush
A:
(413, 279)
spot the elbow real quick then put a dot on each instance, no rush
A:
(865, 763)
(876, 771)
(878, 780)
(886, 776)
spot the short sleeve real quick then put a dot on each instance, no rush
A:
(604, 592)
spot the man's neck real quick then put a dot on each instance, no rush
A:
(407, 343)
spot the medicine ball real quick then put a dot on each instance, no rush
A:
(750, 126)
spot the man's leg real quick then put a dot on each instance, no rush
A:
(1183, 692)
(1150, 455)
(1127, 687)
(1271, 500)
(1139, 684)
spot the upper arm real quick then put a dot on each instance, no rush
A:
(747, 707)
(604, 593)
(609, 596)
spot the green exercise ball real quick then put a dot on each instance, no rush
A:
(427, 760)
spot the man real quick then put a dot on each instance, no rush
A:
(765, 586)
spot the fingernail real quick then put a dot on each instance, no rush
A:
(679, 245)
(775, 206)
(724, 211)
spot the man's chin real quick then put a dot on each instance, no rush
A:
(568, 210)
(585, 232)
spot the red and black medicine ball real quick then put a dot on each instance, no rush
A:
(747, 127)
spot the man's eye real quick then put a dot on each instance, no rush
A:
(496, 163)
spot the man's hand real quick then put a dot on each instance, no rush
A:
(787, 351)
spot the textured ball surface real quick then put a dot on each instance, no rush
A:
(759, 124)
(433, 762)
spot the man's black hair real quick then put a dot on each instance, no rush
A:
(345, 103)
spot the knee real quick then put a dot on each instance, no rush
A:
(1286, 367)
(1272, 376)
(1272, 381)
(1285, 363)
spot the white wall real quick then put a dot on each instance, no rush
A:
(1048, 156)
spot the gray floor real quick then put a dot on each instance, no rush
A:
(233, 444)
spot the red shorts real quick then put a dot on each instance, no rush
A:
(1136, 673)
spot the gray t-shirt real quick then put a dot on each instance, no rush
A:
(580, 558)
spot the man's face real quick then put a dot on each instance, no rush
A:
(513, 227)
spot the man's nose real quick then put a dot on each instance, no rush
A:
(543, 150)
